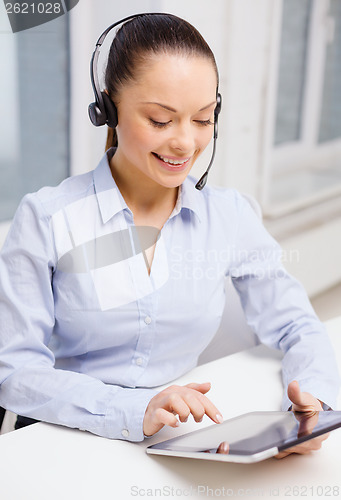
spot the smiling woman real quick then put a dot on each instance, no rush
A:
(96, 307)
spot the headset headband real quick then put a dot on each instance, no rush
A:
(97, 109)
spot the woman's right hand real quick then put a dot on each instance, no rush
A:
(179, 400)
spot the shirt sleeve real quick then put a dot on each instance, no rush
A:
(29, 383)
(278, 310)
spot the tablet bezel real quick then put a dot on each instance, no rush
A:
(242, 457)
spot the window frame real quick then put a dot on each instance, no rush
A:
(306, 154)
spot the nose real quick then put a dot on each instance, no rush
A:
(183, 138)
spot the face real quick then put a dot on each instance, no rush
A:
(165, 118)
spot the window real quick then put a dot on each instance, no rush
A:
(34, 142)
(303, 165)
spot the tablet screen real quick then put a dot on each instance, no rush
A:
(255, 432)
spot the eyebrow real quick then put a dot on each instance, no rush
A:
(174, 110)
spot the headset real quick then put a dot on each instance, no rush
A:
(103, 110)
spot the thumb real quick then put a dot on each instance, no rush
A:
(203, 388)
(301, 401)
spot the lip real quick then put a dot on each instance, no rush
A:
(172, 168)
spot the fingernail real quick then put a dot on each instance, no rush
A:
(177, 423)
(219, 418)
(225, 447)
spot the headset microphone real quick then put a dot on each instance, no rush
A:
(103, 110)
(203, 179)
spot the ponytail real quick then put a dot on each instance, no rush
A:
(111, 139)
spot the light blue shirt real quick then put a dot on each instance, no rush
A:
(86, 334)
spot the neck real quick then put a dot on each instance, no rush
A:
(142, 194)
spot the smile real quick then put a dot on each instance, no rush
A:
(171, 161)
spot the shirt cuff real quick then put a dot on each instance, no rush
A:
(324, 407)
(124, 416)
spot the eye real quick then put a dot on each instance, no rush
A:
(158, 124)
(204, 123)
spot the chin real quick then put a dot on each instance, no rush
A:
(173, 183)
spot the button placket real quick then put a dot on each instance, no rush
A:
(140, 361)
(147, 309)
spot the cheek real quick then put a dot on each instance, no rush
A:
(135, 136)
(206, 137)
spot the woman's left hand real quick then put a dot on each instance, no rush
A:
(305, 406)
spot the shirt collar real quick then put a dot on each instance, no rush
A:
(111, 201)
(191, 198)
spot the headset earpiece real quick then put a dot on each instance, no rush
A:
(96, 115)
(110, 110)
(217, 110)
(108, 115)
(218, 105)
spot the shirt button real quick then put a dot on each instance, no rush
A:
(125, 433)
(147, 320)
(139, 361)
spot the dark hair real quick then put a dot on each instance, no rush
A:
(138, 38)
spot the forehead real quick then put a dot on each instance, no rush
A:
(174, 77)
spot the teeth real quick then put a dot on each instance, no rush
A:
(173, 162)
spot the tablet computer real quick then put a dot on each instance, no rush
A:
(251, 437)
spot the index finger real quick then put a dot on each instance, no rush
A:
(209, 408)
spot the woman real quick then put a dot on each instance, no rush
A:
(113, 282)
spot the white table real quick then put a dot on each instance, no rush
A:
(47, 462)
